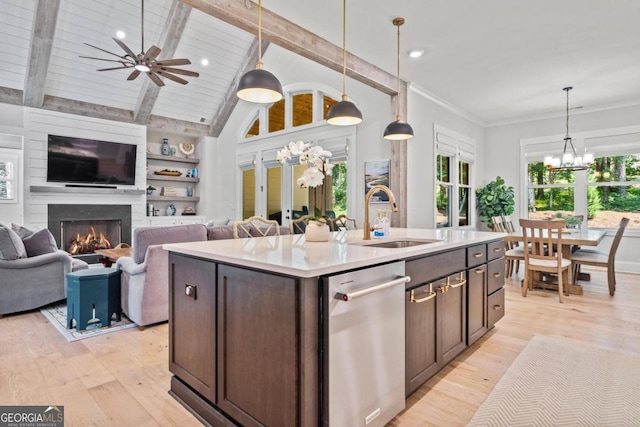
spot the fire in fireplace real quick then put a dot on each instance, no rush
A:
(86, 244)
(81, 237)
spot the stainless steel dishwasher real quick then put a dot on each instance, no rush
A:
(363, 354)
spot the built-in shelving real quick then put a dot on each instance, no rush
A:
(173, 199)
(192, 160)
(171, 178)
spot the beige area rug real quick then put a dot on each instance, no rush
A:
(561, 382)
(57, 316)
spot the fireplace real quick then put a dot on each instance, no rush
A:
(82, 229)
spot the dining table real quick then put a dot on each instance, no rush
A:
(572, 238)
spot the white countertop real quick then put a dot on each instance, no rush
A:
(292, 255)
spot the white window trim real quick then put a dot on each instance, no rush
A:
(14, 159)
(460, 148)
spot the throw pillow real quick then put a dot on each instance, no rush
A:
(40, 242)
(11, 246)
(21, 231)
(217, 222)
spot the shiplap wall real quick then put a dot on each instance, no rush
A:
(39, 124)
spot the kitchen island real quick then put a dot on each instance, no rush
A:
(250, 320)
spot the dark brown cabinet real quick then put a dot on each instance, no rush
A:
(258, 360)
(477, 322)
(192, 323)
(435, 316)
(244, 344)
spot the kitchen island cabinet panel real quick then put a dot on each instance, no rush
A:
(192, 314)
(258, 360)
(452, 315)
(477, 324)
(427, 269)
(421, 356)
(495, 275)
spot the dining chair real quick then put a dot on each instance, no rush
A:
(514, 253)
(543, 257)
(299, 225)
(600, 258)
(256, 226)
(342, 222)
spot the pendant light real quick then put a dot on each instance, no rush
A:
(570, 160)
(344, 113)
(398, 129)
(259, 86)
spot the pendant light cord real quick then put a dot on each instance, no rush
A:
(398, 74)
(344, 50)
(567, 123)
(142, 28)
(259, 65)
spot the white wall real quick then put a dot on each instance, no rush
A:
(423, 114)
(290, 69)
(377, 112)
(38, 124)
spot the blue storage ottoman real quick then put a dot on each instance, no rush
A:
(97, 288)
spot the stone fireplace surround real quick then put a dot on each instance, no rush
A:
(74, 212)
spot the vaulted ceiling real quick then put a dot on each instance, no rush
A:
(495, 61)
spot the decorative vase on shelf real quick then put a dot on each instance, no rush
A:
(166, 149)
(317, 231)
(171, 210)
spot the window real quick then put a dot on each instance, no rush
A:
(454, 193)
(605, 193)
(443, 191)
(8, 178)
(248, 193)
(301, 106)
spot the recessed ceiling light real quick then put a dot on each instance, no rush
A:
(416, 53)
(120, 34)
(204, 61)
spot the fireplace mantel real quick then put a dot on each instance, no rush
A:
(84, 190)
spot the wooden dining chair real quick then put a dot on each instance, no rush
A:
(256, 226)
(600, 258)
(543, 256)
(342, 222)
(299, 225)
(514, 253)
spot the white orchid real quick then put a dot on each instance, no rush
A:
(314, 156)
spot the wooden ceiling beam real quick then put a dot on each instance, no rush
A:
(10, 96)
(284, 33)
(231, 99)
(45, 16)
(171, 34)
(178, 126)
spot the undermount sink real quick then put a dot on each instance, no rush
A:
(397, 243)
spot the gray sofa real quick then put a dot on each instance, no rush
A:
(35, 275)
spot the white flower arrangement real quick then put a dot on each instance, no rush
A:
(314, 156)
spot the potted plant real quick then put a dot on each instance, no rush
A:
(317, 160)
(150, 190)
(570, 220)
(495, 199)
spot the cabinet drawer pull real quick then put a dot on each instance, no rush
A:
(497, 307)
(427, 298)
(478, 255)
(496, 250)
(497, 274)
(457, 285)
(479, 270)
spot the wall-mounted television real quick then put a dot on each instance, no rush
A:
(89, 161)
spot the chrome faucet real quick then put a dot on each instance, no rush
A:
(367, 198)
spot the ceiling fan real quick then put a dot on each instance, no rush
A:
(146, 62)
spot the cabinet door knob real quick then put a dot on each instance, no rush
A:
(190, 290)
(497, 307)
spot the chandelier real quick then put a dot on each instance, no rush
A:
(570, 160)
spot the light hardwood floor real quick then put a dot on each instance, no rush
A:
(121, 379)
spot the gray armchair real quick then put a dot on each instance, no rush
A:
(28, 283)
(145, 276)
